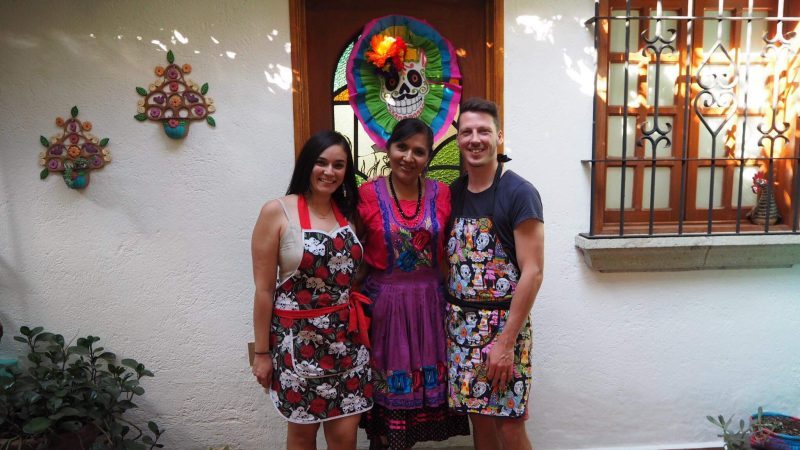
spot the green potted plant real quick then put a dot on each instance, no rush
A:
(733, 439)
(742, 438)
(71, 397)
(781, 433)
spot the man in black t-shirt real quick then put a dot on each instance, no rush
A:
(496, 257)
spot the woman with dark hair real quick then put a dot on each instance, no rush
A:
(311, 339)
(403, 216)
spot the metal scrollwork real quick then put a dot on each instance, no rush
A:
(775, 132)
(781, 48)
(781, 42)
(656, 133)
(716, 90)
(724, 99)
(657, 46)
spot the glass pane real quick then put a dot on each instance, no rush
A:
(748, 196)
(751, 136)
(614, 147)
(369, 162)
(618, 32)
(447, 155)
(703, 187)
(724, 137)
(665, 25)
(711, 27)
(662, 151)
(613, 184)
(343, 121)
(661, 197)
(759, 92)
(757, 30)
(667, 86)
(340, 75)
(616, 85)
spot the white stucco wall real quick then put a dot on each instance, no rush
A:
(154, 255)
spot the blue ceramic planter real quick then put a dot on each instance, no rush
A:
(176, 132)
(774, 441)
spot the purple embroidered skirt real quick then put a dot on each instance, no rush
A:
(408, 360)
(408, 338)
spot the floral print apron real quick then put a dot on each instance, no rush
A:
(320, 371)
(482, 282)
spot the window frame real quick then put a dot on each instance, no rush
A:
(682, 214)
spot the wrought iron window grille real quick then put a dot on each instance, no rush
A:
(713, 102)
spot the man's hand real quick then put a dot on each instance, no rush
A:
(501, 364)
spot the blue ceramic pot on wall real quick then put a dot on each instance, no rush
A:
(175, 131)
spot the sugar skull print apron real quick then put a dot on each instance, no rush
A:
(319, 332)
(481, 284)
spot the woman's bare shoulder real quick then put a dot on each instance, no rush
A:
(273, 207)
(272, 215)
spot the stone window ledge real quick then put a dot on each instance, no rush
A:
(655, 254)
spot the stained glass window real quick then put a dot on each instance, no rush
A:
(444, 165)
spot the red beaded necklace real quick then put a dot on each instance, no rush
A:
(397, 202)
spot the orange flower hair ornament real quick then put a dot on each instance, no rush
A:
(388, 52)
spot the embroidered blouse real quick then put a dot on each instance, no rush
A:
(369, 210)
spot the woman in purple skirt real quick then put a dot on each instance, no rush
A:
(403, 216)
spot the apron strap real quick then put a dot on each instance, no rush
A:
(461, 192)
(493, 305)
(305, 220)
(339, 216)
(302, 211)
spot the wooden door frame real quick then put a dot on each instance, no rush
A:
(302, 103)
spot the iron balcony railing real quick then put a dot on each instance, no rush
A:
(729, 96)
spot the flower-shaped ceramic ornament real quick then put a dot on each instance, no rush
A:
(74, 151)
(174, 100)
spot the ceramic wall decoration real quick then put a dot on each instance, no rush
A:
(74, 151)
(175, 100)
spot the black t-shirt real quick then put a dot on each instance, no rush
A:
(515, 201)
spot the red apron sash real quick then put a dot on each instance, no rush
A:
(358, 321)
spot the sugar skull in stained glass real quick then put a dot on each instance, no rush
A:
(404, 91)
(369, 99)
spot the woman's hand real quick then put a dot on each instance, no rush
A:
(262, 369)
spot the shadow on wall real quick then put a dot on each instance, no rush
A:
(12, 285)
(578, 68)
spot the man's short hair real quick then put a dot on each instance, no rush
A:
(480, 105)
